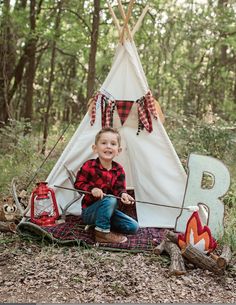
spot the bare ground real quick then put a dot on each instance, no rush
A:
(32, 272)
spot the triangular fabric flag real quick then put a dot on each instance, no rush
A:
(123, 109)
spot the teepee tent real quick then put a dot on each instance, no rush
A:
(152, 167)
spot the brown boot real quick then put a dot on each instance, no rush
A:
(102, 237)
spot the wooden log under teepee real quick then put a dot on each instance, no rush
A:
(200, 259)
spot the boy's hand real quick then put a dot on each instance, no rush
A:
(96, 192)
(127, 199)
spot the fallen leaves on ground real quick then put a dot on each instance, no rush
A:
(39, 273)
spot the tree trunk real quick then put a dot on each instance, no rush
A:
(51, 76)
(93, 50)
(222, 59)
(11, 73)
(7, 59)
(70, 107)
(30, 72)
(234, 90)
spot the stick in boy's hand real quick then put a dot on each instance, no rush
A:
(127, 199)
(98, 193)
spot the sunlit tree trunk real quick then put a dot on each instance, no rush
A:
(234, 90)
(7, 59)
(30, 70)
(93, 50)
(222, 61)
(49, 102)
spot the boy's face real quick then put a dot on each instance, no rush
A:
(107, 147)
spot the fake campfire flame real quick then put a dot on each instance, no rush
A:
(198, 236)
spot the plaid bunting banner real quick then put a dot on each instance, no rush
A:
(108, 113)
(106, 107)
(123, 109)
(93, 109)
(144, 114)
(146, 107)
(150, 104)
(103, 108)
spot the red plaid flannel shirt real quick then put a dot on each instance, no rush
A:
(93, 174)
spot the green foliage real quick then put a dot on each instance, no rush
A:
(13, 135)
(230, 197)
(17, 152)
(20, 155)
(187, 50)
(192, 135)
(188, 135)
(229, 236)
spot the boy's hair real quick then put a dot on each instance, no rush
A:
(108, 129)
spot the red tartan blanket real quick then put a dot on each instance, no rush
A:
(73, 232)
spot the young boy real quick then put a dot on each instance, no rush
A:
(103, 177)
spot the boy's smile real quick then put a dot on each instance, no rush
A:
(107, 148)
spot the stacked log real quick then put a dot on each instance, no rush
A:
(177, 266)
(7, 226)
(211, 262)
(200, 259)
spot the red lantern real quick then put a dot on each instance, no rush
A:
(44, 209)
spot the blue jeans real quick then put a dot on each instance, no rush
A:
(106, 217)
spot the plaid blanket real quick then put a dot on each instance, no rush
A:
(72, 231)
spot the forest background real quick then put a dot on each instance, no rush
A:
(54, 55)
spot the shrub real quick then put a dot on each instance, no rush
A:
(189, 134)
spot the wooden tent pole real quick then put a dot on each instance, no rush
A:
(120, 6)
(138, 24)
(126, 20)
(115, 20)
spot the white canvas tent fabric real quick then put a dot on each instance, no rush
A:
(152, 166)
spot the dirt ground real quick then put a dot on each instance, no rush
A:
(37, 273)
